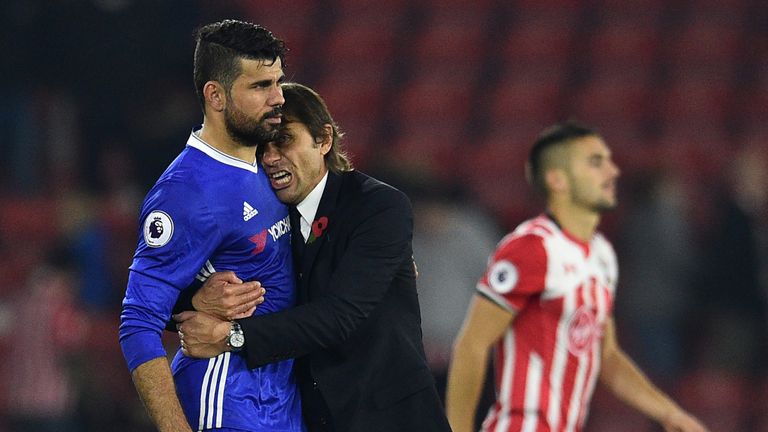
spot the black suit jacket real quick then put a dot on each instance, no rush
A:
(356, 333)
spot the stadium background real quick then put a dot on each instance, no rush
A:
(441, 98)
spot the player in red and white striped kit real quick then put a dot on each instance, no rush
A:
(545, 304)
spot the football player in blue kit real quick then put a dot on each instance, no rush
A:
(214, 209)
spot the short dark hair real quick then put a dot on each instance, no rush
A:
(304, 105)
(220, 46)
(551, 138)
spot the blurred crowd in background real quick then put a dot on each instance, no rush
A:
(440, 98)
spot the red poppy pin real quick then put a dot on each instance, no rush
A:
(318, 228)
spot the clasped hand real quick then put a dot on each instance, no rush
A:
(222, 298)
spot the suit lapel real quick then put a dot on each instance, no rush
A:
(324, 219)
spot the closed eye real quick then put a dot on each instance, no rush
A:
(283, 139)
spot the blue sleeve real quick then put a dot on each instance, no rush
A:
(177, 235)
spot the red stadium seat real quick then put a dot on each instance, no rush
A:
(495, 171)
(699, 150)
(357, 44)
(438, 97)
(625, 45)
(433, 148)
(26, 221)
(559, 6)
(753, 107)
(609, 10)
(733, 11)
(291, 20)
(350, 95)
(372, 8)
(524, 98)
(718, 398)
(28, 228)
(697, 102)
(616, 97)
(452, 38)
(706, 44)
(357, 107)
(544, 41)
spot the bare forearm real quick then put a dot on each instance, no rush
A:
(154, 383)
(629, 384)
(465, 384)
(485, 323)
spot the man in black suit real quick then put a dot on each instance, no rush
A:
(356, 333)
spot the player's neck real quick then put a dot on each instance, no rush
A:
(580, 223)
(216, 136)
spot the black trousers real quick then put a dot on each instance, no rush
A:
(316, 413)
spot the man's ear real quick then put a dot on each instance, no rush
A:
(556, 179)
(327, 142)
(215, 96)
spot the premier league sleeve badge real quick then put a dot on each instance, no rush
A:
(158, 229)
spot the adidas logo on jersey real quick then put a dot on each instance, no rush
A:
(248, 211)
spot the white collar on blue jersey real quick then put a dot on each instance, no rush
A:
(196, 142)
(307, 208)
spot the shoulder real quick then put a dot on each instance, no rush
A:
(365, 184)
(526, 246)
(603, 246)
(175, 188)
(527, 250)
(604, 249)
(370, 191)
(602, 242)
(182, 175)
(533, 234)
(518, 267)
(179, 193)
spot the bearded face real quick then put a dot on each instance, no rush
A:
(252, 113)
(248, 130)
(592, 175)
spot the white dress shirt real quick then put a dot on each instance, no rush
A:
(308, 207)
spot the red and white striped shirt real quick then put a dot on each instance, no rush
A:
(562, 292)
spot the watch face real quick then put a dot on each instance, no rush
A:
(237, 340)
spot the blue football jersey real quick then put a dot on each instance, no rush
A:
(212, 212)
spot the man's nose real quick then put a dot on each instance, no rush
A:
(270, 155)
(615, 170)
(276, 96)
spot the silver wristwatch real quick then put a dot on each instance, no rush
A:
(236, 338)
